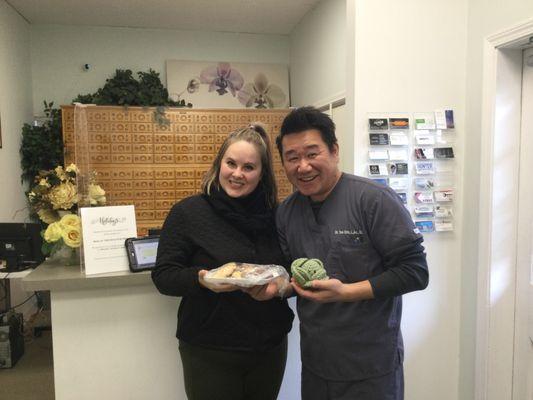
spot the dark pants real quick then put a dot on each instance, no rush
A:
(232, 375)
(387, 387)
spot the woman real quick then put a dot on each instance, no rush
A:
(231, 346)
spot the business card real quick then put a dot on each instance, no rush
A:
(399, 139)
(399, 123)
(443, 152)
(398, 184)
(425, 226)
(377, 169)
(379, 139)
(423, 197)
(424, 168)
(378, 124)
(378, 154)
(424, 153)
(444, 195)
(424, 120)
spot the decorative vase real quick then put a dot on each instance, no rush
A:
(66, 255)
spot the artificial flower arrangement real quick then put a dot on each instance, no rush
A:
(55, 199)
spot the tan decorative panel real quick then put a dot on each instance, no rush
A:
(151, 166)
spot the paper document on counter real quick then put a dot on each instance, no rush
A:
(105, 230)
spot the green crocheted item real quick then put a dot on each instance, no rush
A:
(305, 270)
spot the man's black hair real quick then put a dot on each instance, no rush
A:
(306, 118)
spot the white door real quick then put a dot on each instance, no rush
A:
(523, 348)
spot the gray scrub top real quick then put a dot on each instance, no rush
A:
(359, 224)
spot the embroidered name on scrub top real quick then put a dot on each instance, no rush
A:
(356, 235)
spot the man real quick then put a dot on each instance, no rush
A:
(351, 343)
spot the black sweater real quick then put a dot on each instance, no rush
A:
(194, 237)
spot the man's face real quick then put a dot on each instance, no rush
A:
(309, 164)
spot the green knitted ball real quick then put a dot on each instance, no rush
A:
(305, 270)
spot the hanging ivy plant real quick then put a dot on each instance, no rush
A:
(124, 90)
(42, 144)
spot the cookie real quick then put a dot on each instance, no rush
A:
(225, 271)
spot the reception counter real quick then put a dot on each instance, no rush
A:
(114, 337)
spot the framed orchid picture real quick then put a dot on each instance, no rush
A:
(221, 84)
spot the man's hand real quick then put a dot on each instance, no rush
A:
(330, 290)
(278, 287)
(217, 288)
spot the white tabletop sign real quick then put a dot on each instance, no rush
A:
(104, 231)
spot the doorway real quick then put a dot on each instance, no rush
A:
(523, 361)
(504, 349)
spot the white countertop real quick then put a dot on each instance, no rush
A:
(53, 276)
(14, 275)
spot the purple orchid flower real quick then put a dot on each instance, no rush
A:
(222, 77)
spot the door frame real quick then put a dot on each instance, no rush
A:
(498, 212)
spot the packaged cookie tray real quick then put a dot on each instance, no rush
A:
(246, 275)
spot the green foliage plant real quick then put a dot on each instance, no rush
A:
(42, 144)
(124, 90)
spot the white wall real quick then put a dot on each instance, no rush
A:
(59, 52)
(485, 17)
(15, 108)
(410, 56)
(318, 54)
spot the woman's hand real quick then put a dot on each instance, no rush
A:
(279, 287)
(217, 288)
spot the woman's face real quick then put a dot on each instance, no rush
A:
(240, 171)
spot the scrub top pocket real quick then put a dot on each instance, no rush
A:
(348, 260)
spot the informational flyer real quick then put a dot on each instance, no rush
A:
(105, 229)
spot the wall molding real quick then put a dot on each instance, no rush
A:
(333, 101)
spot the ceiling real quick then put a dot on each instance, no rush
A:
(246, 16)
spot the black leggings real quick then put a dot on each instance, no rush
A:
(211, 374)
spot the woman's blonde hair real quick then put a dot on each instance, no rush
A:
(257, 136)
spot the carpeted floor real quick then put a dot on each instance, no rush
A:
(33, 376)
